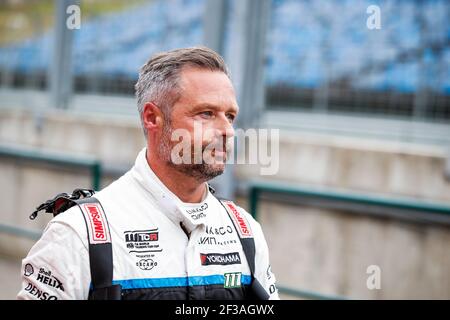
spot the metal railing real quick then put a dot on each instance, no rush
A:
(20, 232)
(339, 199)
(63, 161)
(35, 156)
(256, 189)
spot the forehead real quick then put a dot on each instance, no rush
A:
(202, 86)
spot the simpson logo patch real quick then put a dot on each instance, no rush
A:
(96, 219)
(239, 221)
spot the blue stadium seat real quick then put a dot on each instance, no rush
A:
(306, 39)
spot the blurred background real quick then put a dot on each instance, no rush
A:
(360, 205)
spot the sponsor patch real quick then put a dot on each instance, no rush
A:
(272, 289)
(141, 236)
(40, 294)
(222, 235)
(142, 241)
(220, 259)
(47, 278)
(28, 270)
(199, 212)
(146, 264)
(210, 240)
(219, 231)
(239, 221)
(269, 272)
(98, 226)
(232, 280)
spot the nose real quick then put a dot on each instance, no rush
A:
(225, 127)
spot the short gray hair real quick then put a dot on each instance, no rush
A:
(159, 78)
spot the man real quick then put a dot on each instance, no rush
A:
(170, 237)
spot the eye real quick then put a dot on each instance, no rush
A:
(231, 117)
(206, 114)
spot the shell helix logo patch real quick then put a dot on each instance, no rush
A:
(29, 270)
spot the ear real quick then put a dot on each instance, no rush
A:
(152, 117)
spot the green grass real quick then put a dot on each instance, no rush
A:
(24, 19)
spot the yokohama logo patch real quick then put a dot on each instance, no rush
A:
(98, 227)
(207, 259)
(239, 221)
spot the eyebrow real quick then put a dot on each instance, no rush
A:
(210, 106)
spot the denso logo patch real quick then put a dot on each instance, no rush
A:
(220, 259)
(40, 294)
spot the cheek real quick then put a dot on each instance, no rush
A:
(208, 135)
(200, 132)
(209, 132)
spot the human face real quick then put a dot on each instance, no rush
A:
(205, 112)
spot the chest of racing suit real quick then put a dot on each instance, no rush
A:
(162, 248)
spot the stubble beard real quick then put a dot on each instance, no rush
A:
(200, 171)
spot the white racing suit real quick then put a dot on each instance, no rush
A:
(162, 248)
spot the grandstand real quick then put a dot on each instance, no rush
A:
(309, 45)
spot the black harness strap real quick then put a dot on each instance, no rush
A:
(248, 245)
(100, 251)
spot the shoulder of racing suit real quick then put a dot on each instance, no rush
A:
(57, 264)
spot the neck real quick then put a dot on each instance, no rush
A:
(186, 188)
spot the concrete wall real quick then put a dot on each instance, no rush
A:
(371, 166)
(330, 252)
(315, 249)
